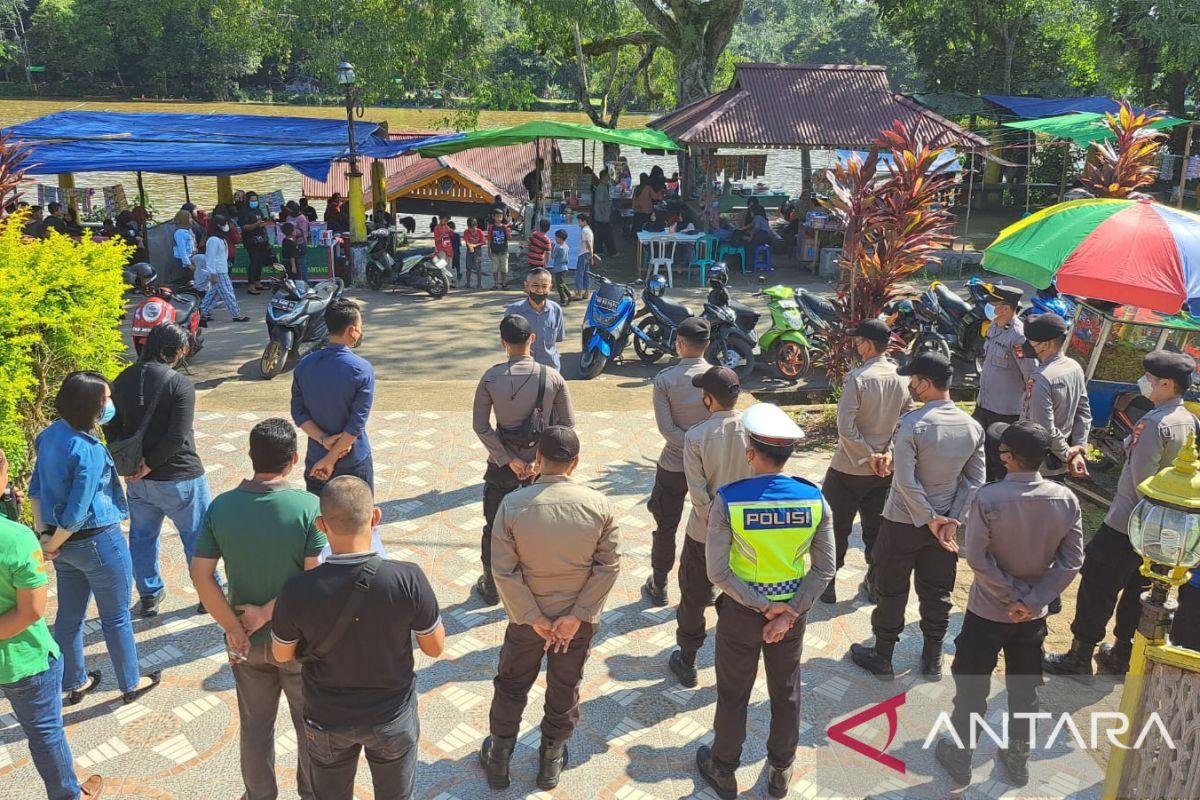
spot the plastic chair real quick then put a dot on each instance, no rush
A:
(662, 256)
(704, 255)
(733, 250)
(762, 258)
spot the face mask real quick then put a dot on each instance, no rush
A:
(110, 411)
(914, 393)
(254, 204)
(358, 341)
(989, 311)
(537, 298)
(1145, 387)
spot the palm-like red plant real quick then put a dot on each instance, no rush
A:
(1129, 161)
(13, 156)
(893, 225)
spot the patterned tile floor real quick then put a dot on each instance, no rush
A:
(639, 730)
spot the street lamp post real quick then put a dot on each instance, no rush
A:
(1164, 529)
(357, 214)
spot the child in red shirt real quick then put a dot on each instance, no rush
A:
(474, 239)
(443, 239)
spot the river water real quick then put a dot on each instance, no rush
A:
(166, 191)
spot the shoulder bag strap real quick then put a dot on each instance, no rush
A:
(362, 585)
(150, 409)
(541, 395)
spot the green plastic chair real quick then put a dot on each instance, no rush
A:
(734, 250)
(703, 256)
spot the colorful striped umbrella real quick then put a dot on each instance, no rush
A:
(1132, 252)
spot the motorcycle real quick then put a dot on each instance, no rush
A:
(1049, 301)
(607, 324)
(296, 321)
(179, 304)
(733, 337)
(962, 325)
(420, 268)
(820, 316)
(656, 332)
(785, 342)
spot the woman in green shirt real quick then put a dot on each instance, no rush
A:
(31, 667)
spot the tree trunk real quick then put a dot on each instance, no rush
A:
(694, 75)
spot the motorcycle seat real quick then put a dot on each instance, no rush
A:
(747, 317)
(818, 306)
(324, 290)
(950, 301)
(676, 312)
(416, 251)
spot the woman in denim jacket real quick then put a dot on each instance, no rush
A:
(78, 505)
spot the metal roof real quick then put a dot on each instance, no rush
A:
(497, 170)
(806, 105)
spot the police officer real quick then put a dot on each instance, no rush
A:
(780, 523)
(938, 467)
(1112, 566)
(714, 454)
(556, 557)
(872, 400)
(1056, 398)
(1025, 544)
(678, 405)
(1005, 371)
(525, 397)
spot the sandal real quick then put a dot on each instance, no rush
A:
(75, 696)
(134, 694)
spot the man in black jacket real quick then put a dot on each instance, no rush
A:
(171, 482)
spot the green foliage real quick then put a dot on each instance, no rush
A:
(61, 304)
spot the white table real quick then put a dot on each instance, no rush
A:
(679, 237)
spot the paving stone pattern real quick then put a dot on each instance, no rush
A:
(639, 731)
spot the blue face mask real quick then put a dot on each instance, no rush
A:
(254, 204)
(110, 411)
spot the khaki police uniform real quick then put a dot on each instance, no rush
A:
(937, 468)
(509, 392)
(555, 552)
(714, 454)
(872, 401)
(1024, 542)
(1111, 568)
(1057, 400)
(678, 405)
(1002, 382)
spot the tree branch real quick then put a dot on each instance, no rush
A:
(582, 91)
(635, 39)
(642, 67)
(667, 26)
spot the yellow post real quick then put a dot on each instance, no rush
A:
(66, 182)
(224, 189)
(358, 219)
(378, 183)
(1131, 699)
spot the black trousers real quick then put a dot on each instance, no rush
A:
(976, 648)
(1110, 568)
(666, 506)
(991, 451)
(604, 238)
(1185, 630)
(260, 255)
(520, 662)
(560, 285)
(739, 643)
(904, 551)
(498, 482)
(694, 591)
(850, 495)
(364, 469)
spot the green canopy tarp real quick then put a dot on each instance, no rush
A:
(1083, 128)
(642, 138)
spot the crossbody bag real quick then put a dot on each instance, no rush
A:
(362, 585)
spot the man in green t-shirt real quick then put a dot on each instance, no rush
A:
(265, 531)
(31, 667)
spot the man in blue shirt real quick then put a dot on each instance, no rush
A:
(332, 390)
(544, 315)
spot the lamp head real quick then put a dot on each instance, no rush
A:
(345, 74)
(1164, 527)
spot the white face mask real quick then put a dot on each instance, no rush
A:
(1145, 387)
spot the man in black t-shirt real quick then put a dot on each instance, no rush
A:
(361, 696)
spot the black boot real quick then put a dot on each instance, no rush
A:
(867, 588)
(486, 587)
(778, 781)
(552, 760)
(656, 594)
(684, 668)
(829, 596)
(494, 756)
(956, 761)
(931, 660)
(723, 781)
(1075, 663)
(876, 660)
(1015, 759)
(1114, 658)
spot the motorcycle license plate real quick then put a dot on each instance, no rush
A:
(283, 305)
(606, 303)
(788, 304)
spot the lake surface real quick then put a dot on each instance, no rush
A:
(166, 191)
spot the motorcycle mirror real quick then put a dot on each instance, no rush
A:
(762, 279)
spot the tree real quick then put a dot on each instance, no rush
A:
(1154, 43)
(695, 32)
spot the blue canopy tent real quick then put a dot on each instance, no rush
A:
(1027, 107)
(947, 159)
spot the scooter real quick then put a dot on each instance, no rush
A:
(784, 342)
(821, 316)
(657, 331)
(178, 304)
(422, 269)
(296, 321)
(962, 325)
(1049, 301)
(607, 324)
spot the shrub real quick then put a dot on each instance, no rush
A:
(61, 304)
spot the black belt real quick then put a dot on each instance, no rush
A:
(79, 535)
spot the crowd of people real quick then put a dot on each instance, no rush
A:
(311, 608)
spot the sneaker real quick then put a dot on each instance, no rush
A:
(487, 590)
(149, 605)
(686, 673)
(957, 762)
(657, 594)
(241, 319)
